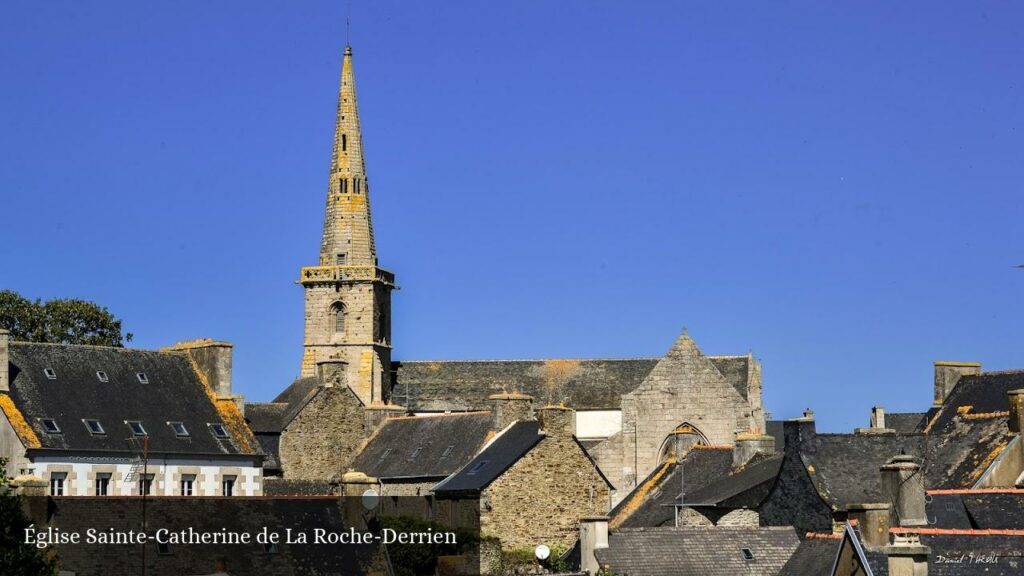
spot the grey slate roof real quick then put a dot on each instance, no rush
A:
(995, 510)
(265, 416)
(814, 557)
(173, 393)
(847, 465)
(744, 487)
(905, 422)
(423, 446)
(999, 555)
(504, 451)
(582, 383)
(697, 551)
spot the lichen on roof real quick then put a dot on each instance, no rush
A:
(18, 422)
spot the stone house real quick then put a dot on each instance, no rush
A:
(532, 483)
(103, 421)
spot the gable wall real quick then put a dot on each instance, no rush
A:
(321, 442)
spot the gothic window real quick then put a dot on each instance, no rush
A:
(339, 317)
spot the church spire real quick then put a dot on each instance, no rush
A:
(348, 227)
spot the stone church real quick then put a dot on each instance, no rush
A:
(630, 414)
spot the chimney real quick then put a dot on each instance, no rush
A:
(873, 521)
(903, 486)
(1016, 398)
(332, 372)
(507, 407)
(878, 417)
(593, 536)
(750, 443)
(213, 360)
(5, 360)
(907, 556)
(34, 502)
(947, 374)
(557, 420)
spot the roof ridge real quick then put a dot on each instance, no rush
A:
(438, 415)
(95, 347)
(957, 531)
(466, 361)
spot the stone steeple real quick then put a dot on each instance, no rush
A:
(348, 298)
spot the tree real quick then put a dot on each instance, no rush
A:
(59, 321)
(17, 557)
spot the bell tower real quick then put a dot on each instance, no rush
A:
(348, 298)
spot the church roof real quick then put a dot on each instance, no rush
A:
(69, 384)
(423, 446)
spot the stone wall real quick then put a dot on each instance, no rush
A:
(541, 498)
(707, 517)
(321, 442)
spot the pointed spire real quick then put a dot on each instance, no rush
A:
(348, 228)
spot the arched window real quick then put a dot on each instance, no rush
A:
(338, 309)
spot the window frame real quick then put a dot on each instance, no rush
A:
(142, 377)
(47, 423)
(57, 481)
(99, 480)
(131, 426)
(227, 485)
(184, 433)
(214, 426)
(102, 431)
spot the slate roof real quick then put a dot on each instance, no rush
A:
(744, 487)
(905, 422)
(697, 551)
(982, 554)
(265, 416)
(947, 511)
(814, 557)
(652, 503)
(504, 450)
(846, 466)
(982, 509)
(173, 393)
(424, 446)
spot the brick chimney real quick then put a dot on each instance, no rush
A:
(1016, 398)
(593, 536)
(903, 485)
(507, 407)
(557, 420)
(947, 374)
(5, 360)
(748, 444)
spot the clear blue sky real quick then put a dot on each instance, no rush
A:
(835, 186)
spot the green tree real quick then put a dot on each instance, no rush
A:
(16, 557)
(59, 321)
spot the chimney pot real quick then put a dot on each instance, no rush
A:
(903, 485)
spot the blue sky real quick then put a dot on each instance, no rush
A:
(835, 186)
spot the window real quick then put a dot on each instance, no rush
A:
(179, 429)
(355, 182)
(102, 484)
(747, 554)
(385, 454)
(187, 484)
(270, 547)
(50, 425)
(102, 376)
(163, 548)
(339, 317)
(416, 453)
(143, 379)
(344, 142)
(448, 451)
(219, 430)
(57, 483)
(340, 259)
(94, 427)
(227, 486)
(136, 427)
(145, 484)
(50, 373)
(343, 185)
(477, 467)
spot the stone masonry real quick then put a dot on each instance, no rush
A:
(320, 443)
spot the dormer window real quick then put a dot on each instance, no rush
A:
(102, 376)
(50, 373)
(50, 425)
(219, 430)
(136, 427)
(94, 427)
(143, 379)
(179, 429)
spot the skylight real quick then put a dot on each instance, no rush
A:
(416, 453)
(477, 467)
(179, 429)
(50, 425)
(219, 430)
(136, 427)
(385, 454)
(747, 554)
(142, 377)
(94, 426)
(51, 374)
(448, 451)
(102, 376)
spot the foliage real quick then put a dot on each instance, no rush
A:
(16, 557)
(417, 559)
(59, 321)
(524, 561)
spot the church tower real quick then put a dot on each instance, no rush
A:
(348, 298)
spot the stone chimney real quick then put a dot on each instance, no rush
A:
(5, 360)
(507, 407)
(877, 423)
(907, 556)
(557, 420)
(34, 503)
(903, 486)
(213, 360)
(593, 536)
(873, 520)
(1016, 398)
(332, 372)
(947, 374)
(750, 443)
